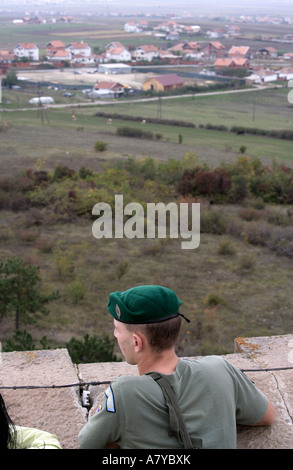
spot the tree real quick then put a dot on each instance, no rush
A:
(10, 79)
(91, 349)
(19, 291)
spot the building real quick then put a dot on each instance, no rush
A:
(233, 63)
(262, 76)
(286, 73)
(185, 47)
(241, 51)
(267, 53)
(60, 56)
(53, 47)
(214, 49)
(114, 68)
(116, 89)
(146, 52)
(25, 49)
(119, 53)
(6, 58)
(133, 27)
(79, 49)
(163, 83)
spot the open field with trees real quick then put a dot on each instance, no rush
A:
(235, 284)
(232, 152)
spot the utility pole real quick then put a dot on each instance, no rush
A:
(159, 110)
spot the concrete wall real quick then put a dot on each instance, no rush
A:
(60, 410)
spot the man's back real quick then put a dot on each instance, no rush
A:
(211, 394)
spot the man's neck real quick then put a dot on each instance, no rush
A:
(164, 363)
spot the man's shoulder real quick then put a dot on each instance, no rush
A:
(130, 381)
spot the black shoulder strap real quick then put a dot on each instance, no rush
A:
(176, 421)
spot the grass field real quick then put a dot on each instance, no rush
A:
(242, 291)
(266, 109)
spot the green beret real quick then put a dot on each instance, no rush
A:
(144, 304)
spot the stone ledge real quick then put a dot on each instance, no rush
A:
(60, 411)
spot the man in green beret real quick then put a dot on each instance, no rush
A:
(212, 395)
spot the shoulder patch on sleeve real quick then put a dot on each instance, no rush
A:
(110, 403)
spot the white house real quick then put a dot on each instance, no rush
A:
(146, 52)
(120, 54)
(79, 48)
(132, 27)
(263, 76)
(25, 49)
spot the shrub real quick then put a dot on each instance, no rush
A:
(27, 235)
(250, 214)
(257, 234)
(64, 264)
(213, 299)
(91, 349)
(225, 248)
(76, 291)
(62, 172)
(205, 182)
(22, 341)
(100, 146)
(122, 268)
(239, 189)
(246, 264)
(126, 131)
(44, 246)
(84, 172)
(213, 221)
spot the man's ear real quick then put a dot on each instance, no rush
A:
(138, 342)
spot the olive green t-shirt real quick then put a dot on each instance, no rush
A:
(213, 397)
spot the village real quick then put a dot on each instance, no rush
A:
(210, 57)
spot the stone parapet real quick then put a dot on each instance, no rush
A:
(60, 410)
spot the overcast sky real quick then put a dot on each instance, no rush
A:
(195, 7)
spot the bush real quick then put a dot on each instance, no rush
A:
(23, 341)
(246, 264)
(100, 146)
(250, 214)
(44, 246)
(85, 173)
(62, 172)
(126, 131)
(76, 292)
(213, 299)
(91, 349)
(213, 221)
(225, 248)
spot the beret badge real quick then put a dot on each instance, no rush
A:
(117, 310)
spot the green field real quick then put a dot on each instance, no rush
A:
(265, 109)
(242, 290)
